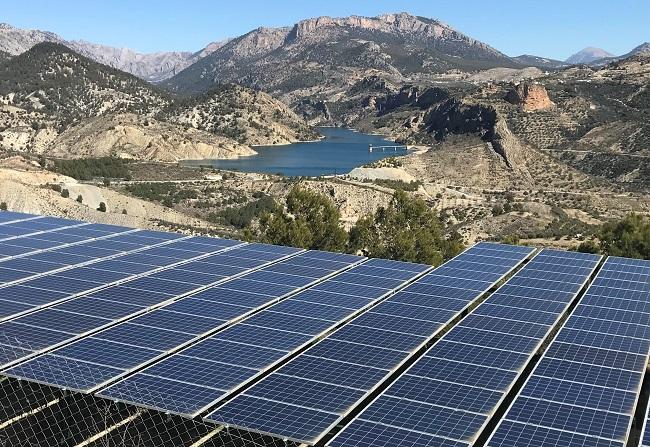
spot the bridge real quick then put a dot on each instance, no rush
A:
(383, 148)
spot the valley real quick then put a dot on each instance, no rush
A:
(506, 148)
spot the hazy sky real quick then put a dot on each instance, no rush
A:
(550, 28)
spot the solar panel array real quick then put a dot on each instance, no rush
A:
(54, 324)
(303, 399)
(448, 395)
(195, 378)
(184, 325)
(107, 355)
(583, 392)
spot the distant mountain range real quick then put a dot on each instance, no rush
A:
(309, 53)
(152, 67)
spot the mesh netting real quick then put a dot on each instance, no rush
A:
(37, 415)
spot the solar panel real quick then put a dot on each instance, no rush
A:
(91, 361)
(300, 401)
(215, 364)
(584, 389)
(87, 313)
(72, 281)
(13, 216)
(450, 392)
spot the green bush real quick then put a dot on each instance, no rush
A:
(90, 168)
(243, 216)
(3, 206)
(102, 207)
(65, 193)
(80, 198)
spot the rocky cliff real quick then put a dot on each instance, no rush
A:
(530, 97)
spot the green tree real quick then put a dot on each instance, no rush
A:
(408, 230)
(629, 237)
(80, 198)
(3, 206)
(102, 207)
(311, 221)
(65, 193)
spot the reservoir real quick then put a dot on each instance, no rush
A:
(338, 153)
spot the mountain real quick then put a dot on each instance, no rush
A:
(588, 55)
(529, 60)
(54, 100)
(153, 67)
(325, 51)
(53, 79)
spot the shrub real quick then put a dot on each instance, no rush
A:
(80, 198)
(65, 193)
(102, 207)
(3, 206)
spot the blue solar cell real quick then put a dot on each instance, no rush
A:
(234, 297)
(62, 371)
(279, 278)
(577, 419)
(29, 295)
(233, 353)
(274, 417)
(62, 284)
(28, 337)
(507, 342)
(30, 265)
(245, 285)
(135, 297)
(331, 371)
(580, 394)
(8, 308)
(332, 299)
(100, 276)
(199, 307)
(353, 278)
(89, 305)
(105, 352)
(403, 325)
(422, 417)
(515, 434)
(8, 275)
(409, 311)
(211, 269)
(121, 266)
(304, 309)
(147, 337)
(463, 373)
(304, 325)
(595, 356)
(356, 353)
(607, 341)
(150, 284)
(62, 321)
(593, 374)
(189, 324)
(444, 394)
(176, 274)
(265, 337)
(159, 393)
(201, 372)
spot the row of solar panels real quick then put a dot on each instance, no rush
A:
(325, 332)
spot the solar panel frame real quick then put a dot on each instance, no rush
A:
(632, 367)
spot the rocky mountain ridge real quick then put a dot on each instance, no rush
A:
(153, 67)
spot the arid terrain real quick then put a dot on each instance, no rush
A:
(524, 147)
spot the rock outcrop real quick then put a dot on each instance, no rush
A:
(530, 97)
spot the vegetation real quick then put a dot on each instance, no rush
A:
(102, 207)
(311, 221)
(242, 217)
(80, 198)
(406, 230)
(629, 237)
(90, 168)
(3, 206)
(398, 184)
(65, 193)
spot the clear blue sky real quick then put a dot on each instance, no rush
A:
(550, 28)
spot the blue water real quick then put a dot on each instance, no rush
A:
(341, 151)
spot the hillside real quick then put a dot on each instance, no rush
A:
(326, 51)
(242, 114)
(52, 98)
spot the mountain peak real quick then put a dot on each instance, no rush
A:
(588, 55)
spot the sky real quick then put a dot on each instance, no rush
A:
(548, 28)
